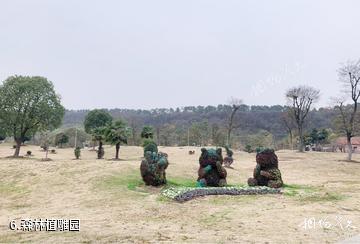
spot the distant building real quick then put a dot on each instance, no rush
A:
(341, 144)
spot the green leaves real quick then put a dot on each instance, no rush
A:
(117, 132)
(29, 104)
(147, 132)
(96, 119)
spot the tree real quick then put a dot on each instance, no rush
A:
(235, 106)
(117, 133)
(218, 137)
(301, 98)
(95, 119)
(288, 122)
(99, 136)
(61, 139)
(147, 132)
(2, 132)
(77, 135)
(349, 76)
(316, 137)
(95, 122)
(199, 133)
(45, 142)
(27, 105)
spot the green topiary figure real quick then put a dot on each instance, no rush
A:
(77, 152)
(228, 160)
(153, 168)
(211, 171)
(150, 146)
(266, 172)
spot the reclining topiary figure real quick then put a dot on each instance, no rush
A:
(153, 165)
(266, 172)
(211, 171)
(228, 160)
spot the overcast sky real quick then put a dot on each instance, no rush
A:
(150, 53)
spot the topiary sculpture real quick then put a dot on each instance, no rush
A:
(153, 166)
(211, 171)
(266, 172)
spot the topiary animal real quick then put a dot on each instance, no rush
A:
(211, 171)
(266, 172)
(228, 160)
(153, 166)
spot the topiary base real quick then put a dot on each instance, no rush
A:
(183, 194)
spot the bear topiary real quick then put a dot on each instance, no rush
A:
(153, 166)
(211, 171)
(266, 172)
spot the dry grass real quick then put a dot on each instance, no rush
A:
(114, 205)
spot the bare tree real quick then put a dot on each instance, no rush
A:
(349, 76)
(235, 103)
(289, 124)
(301, 98)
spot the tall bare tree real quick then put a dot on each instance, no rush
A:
(301, 98)
(349, 76)
(288, 121)
(235, 104)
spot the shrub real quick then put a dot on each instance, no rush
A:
(77, 152)
(248, 148)
(150, 145)
(53, 151)
(28, 153)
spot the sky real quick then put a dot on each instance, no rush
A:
(171, 53)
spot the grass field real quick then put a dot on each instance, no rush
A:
(114, 205)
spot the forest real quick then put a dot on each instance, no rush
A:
(206, 125)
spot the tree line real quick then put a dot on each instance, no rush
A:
(29, 107)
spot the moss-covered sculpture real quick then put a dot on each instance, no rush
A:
(266, 172)
(228, 160)
(211, 171)
(153, 165)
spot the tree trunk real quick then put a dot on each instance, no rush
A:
(17, 149)
(291, 140)
(100, 148)
(117, 150)
(228, 137)
(350, 150)
(301, 138)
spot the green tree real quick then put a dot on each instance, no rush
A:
(147, 132)
(27, 105)
(76, 135)
(99, 136)
(95, 123)
(61, 139)
(117, 133)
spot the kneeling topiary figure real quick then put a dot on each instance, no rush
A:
(153, 166)
(228, 160)
(266, 172)
(211, 171)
